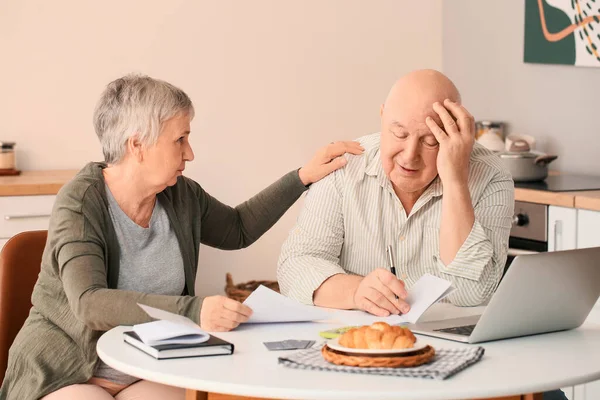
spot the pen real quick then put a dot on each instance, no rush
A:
(391, 263)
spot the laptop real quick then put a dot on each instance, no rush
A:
(544, 292)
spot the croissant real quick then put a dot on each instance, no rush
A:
(379, 335)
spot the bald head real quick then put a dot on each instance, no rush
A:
(416, 91)
(407, 143)
(423, 85)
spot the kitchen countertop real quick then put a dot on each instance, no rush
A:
(31, 183)
(589, 200)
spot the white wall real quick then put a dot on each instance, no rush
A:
(559, 105)
(271, 80)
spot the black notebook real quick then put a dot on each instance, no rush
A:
(213, 347)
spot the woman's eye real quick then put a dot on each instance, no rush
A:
(180, 140)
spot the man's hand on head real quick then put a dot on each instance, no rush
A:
(456, 140)
(376, 294)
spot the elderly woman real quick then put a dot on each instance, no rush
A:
(129, 231)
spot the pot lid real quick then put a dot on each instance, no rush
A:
(517, 154)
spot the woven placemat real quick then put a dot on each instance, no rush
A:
(444, 364)
(379, 361)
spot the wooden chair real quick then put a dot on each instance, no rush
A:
(20, 262)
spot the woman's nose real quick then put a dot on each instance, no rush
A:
(188, 153)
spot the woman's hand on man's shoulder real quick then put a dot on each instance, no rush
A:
(326, 160)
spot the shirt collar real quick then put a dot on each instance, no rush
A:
(375, 169)
(436, 188)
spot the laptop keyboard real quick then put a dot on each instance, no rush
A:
(465, 330)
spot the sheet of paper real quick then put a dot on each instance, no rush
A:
(157, 313)
(170, 328)
(269, 306)
(425, 292)
(167, 332)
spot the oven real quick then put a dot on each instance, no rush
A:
(529, 232)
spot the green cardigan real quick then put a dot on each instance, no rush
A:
(75, 298)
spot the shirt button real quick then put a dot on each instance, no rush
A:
(402, 238)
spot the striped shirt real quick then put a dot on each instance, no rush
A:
(351, 216)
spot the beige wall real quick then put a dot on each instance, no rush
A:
(483, 53)
(271, 82)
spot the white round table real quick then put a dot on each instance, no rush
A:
(509, 367)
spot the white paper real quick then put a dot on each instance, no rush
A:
(170, 328)
(270, 306)
(167, 332)
(157, 313)
(425, 292)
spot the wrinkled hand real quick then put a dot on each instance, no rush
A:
(376, 294)
(456, 141)
(221, 314)
(326, 160)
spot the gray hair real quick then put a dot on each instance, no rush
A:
(136, 105)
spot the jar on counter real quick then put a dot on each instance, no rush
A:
(483, 127)
(7, 156)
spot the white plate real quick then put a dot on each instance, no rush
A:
(335, 345)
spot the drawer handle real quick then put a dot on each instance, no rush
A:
(557, 231)
(11, 217)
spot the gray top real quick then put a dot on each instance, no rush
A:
(150, 258)
(76, 297)
(150, 263)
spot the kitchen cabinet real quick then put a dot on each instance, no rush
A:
(588, 228)
(24, 213)
(569, 392)
(26, 200)
(588, 391)
(562, 228)
(570, 228)
(588, 235)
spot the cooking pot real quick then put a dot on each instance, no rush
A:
(527, 166)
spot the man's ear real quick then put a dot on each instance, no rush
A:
(381, 110)
(134, 147)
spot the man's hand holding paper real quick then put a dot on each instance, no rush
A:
(376, 294)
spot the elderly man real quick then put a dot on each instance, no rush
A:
(443, 202)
